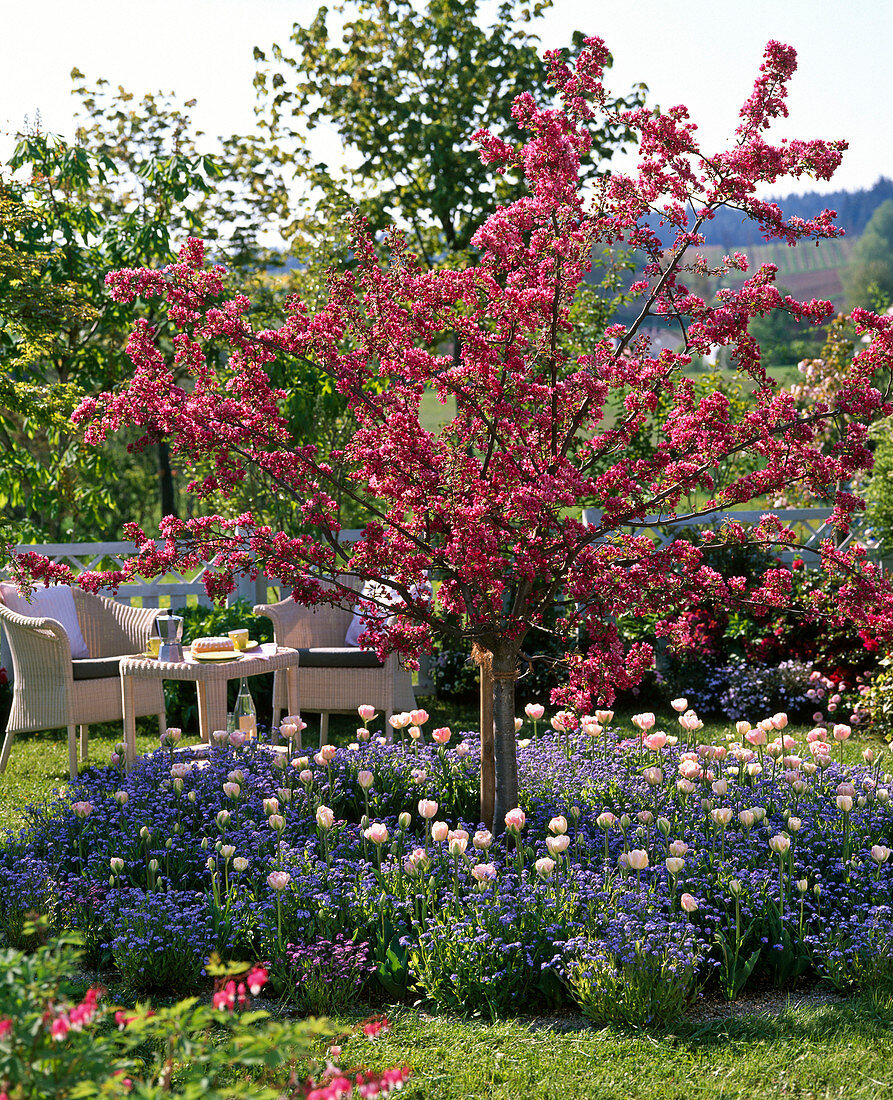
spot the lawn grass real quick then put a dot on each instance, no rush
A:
(836, 1050)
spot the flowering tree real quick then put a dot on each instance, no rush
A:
(488, 504)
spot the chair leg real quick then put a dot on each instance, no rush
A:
(323, 729)
(388, 728)
(162, 724)
(72, 752)
(4, 755)
(85, 744)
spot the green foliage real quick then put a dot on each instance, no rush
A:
(879, 492)
(869, 280)
(877, 701)
(650, 990)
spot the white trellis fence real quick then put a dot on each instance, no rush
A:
(810, 526)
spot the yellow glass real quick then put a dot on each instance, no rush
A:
(239, 638)
(153, 645)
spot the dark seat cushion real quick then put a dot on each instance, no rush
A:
(95, 668)
(343, 657)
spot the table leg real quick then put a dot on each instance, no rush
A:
(204, 727)
(294, 699)
(128, 708)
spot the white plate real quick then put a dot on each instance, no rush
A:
(218, 655)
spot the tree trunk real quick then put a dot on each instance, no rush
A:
(505, 672)
(166, 480)
(488, 761)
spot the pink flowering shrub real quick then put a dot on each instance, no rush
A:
(61, 1043)
(489, 502)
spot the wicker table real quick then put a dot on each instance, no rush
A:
(211, 678)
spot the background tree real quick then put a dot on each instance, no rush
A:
(488, 502)
(869, 279)
(127, 191)
(405, 90)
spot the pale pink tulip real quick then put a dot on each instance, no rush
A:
(515, 820)
(557, 844)
(278, 879)
(544, 867)
(325, 817)
(442, 735)
(688, 903)
(679, 705)
(365, 779)
(558, 824)
(534, 711)
(483, 872)
(637, 859)
(440, 831)
(482, 840)
(418, 717)
(377, 833)
(366, 712)
(427, 808)
(656, 741)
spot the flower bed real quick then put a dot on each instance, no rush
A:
(636, 869)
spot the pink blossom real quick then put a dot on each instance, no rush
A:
(534, 711)
(442, 734)
(515, 820)
(366, 712)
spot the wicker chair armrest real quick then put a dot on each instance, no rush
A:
(38, 645)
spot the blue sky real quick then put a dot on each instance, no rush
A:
(705, 55)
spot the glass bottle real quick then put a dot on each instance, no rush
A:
(243, 715)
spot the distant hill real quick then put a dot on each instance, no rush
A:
(729, 229)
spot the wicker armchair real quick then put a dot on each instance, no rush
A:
(51, 690)
(332, 677)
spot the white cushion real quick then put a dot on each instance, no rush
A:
(50, 603)
(371, 590)
(384, 595)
